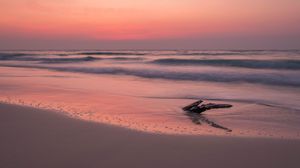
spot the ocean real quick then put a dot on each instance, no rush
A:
(145, 90)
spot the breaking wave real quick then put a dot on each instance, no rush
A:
(111, 53)
(268, 78)
(11, 56)
(49, 60)
(67, 60)
(236, 52)
(257, 64)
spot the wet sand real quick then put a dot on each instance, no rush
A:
(38, 138)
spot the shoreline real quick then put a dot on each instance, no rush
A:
(69, 115)
(33, 137)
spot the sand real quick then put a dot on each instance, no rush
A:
(37, 138)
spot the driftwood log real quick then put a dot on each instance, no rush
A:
(194, 111)
(197, 108)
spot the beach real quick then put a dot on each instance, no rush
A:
(149, 84)
(36, 138)
(125, 109)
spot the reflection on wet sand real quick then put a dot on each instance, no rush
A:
(201, 118)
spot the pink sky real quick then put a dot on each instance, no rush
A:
(34, 24)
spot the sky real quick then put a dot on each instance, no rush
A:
(149, 24)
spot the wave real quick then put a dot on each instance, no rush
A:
(257, 64)
(90, 58)
(10, 56)
(281, 79)
(226, 53)
(236, 52)
(111, 53)
(47, 60)
(124, 58)
(85, 59)
(67, 60)
(25, 57)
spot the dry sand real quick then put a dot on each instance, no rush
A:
(34, 138)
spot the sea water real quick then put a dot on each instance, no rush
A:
(146, 90)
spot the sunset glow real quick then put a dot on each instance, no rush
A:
(146, 20)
